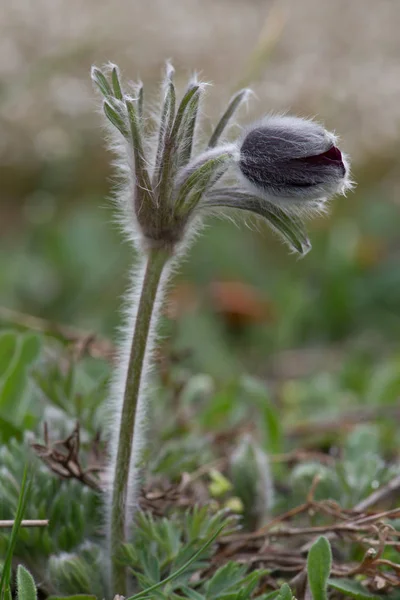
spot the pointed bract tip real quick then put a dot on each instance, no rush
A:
(306, 248)
(169, 71)
(115, 72)
(246, 94)
(110, 66)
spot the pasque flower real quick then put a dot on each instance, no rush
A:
(292, 161)
(278, 167)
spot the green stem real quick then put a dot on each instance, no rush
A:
(156, 261)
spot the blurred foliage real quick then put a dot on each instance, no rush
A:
(58, 261)
(239, 430)
(30, 388)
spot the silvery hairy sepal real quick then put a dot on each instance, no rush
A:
(294, 162)
(164, 183)
(170, 182)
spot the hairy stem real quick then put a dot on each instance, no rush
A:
(132, 400)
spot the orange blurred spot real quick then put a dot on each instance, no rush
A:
(240, 303)
(237, 302)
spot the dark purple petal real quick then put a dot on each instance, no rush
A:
(326, 158)
(333, 154)
(330, 158)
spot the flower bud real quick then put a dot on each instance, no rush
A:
(294, 159)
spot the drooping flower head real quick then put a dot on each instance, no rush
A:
(283, 165)
(293, 160)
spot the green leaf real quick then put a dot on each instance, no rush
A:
(169, 162)
(233, 105)
(138, 148)
(115, 117)
(192, 594)
(271, 595)
(272, 428)
(251, 477)
(12, 392)
(199, 177)
(193, 89)
(116, 83)
(187, 130)
(150, 565)
(288, 226)
(384, 385)
(352, 588)
(100, 80)
(25, 584)
(30, 349)
(285, 593)
(10, 430)
(8, 348)
(166, 122)
(319, 562)
(225, 578)
(140, 100)
(270, 424)
(178, 572)
(71, 572)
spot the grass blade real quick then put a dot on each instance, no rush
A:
(6, 574)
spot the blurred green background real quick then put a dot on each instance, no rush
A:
(239, 301)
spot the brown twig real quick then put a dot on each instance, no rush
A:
(369, 530)
(381, 494)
